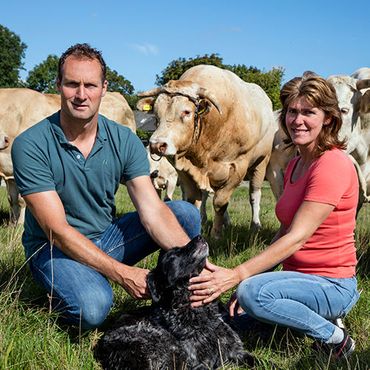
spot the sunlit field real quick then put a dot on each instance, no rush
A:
(32, 338)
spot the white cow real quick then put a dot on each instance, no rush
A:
(21, 108)
(350, 101)
(361, 73)
(163, 175)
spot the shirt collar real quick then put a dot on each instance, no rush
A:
(55, 123)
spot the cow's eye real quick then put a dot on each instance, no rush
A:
(344, 110)
(186, 113)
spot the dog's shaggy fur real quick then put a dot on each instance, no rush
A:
(170, 334)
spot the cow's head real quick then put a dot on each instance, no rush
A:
(349, 98)
(179, 106)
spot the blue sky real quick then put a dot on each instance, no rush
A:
(139, 38)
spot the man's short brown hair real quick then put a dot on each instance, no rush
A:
(82, 51)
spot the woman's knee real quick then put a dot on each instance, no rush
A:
(248, 293)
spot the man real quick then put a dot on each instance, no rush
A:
(68, 168)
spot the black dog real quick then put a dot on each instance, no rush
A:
(170, 334)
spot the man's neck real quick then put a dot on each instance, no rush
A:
(80, 133)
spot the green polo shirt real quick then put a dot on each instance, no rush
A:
(44, 160)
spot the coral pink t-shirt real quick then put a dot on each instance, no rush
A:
(330, 179)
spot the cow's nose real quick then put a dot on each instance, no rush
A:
(162, 148)
(6, 142)
(158, 148)
(154, 174)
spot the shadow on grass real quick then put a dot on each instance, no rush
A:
(4, 217)
(17, 281)
(237, 239)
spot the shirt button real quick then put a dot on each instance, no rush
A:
(78, 156)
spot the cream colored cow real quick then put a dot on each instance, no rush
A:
(21, 108)
(163, 175)
(219, 131)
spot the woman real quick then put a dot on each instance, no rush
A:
(315, 241)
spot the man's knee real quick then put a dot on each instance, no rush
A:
(90, 311)
(187, 215)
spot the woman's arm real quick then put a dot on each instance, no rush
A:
(308, 218)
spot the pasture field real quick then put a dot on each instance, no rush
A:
(32, 338)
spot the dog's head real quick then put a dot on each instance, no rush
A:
(175, 267)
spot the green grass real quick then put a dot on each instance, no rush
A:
(32, 338)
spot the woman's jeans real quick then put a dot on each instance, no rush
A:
(299, 301)
(82, 295)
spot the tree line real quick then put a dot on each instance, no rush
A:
(43, 76)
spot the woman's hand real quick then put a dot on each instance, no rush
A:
(210, 284)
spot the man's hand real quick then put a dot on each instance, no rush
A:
(133, 280)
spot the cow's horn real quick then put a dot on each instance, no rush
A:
(204, 93)
(153, 92)
(363, 84)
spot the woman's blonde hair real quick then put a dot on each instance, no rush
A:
(321, 94)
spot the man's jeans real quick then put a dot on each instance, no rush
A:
(299, 301)
(81, 294)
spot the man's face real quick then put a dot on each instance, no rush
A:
(81, 88)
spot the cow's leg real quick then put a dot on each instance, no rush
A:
(255, 186)
(220, 204)
(255, 200)
(362, 194)
(275, 177)
(191, 193)
(17, 204)
(203, 207)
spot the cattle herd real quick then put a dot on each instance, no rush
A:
(214, 128)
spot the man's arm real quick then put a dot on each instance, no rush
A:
(49, 212)
(155, 215)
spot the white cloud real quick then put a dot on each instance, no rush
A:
(146, 48)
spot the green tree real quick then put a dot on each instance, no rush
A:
(177, 67)
(43, 76)
(269, 81)
(117, 82)
(12, 51)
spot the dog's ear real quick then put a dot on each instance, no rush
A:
(153, 288)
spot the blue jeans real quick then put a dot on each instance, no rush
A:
(299, 301)
(82, 295)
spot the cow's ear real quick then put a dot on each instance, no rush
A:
(153, 287)
(203, 107)
(146, 104)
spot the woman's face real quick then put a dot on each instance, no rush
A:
(304, 123)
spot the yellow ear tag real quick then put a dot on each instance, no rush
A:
(147, 107)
